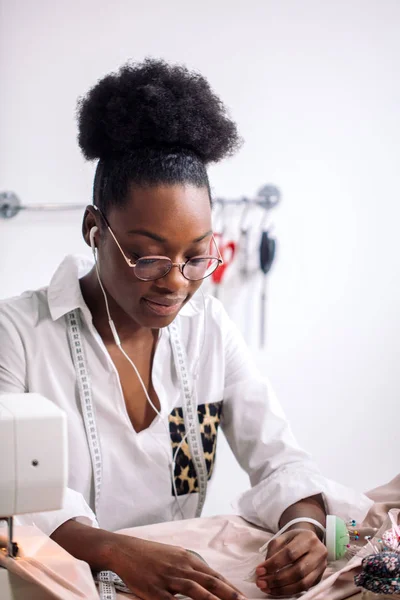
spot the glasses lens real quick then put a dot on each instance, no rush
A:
(200, 267)
(148, 269)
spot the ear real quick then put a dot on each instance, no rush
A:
(90, 220)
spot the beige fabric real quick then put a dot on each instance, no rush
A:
(229, 544)
(48, 567)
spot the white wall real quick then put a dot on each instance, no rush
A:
(315, 90)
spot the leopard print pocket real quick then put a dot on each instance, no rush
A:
(209, 416)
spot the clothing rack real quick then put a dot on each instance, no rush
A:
(10, 204)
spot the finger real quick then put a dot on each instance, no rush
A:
(191, 589)
(206, 570)
(300, 586)
(287, 553)
(296, 572)
(221, 588)
(210, 589)
(154, 594)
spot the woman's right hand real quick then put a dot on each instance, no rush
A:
(156, 571)
(151, 570)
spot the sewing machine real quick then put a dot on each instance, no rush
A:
(33, 471)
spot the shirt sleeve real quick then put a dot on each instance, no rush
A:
(12, 358)
(13, 380)
(281, 473)
(75, 507)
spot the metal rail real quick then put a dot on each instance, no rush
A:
(10, 204)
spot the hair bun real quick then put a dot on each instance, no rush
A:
(154, 105)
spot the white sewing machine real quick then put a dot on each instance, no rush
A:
(33, 470)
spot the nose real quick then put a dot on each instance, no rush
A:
(173, 281)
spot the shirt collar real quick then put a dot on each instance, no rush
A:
(64, 292)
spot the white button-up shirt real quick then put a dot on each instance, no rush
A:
(136, 488)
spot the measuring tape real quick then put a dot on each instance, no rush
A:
(85, 394)
(108, 581)
(191, 420)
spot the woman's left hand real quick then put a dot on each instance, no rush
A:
(295, 561)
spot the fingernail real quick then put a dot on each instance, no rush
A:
(262, 584)
(261, 571)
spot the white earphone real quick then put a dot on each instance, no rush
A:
(92, 233)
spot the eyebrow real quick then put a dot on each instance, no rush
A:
(159, 238)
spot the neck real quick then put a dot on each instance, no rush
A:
(94, 299)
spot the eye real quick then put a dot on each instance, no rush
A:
(146, 262)
(198, 261)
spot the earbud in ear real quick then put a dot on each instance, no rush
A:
(92, 233)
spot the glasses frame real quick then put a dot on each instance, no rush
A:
(180, 265)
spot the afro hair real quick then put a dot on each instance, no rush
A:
(157, 106)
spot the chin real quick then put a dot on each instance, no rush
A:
(155, 322)
(152, 318)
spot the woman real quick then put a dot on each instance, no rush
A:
(126, 346)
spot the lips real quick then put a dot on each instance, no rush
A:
(164, 307)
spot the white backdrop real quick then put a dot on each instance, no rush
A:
(314, 87)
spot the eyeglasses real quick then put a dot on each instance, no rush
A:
(150, 268)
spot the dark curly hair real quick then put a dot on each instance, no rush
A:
(152, 123)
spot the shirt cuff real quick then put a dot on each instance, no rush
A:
(265, 503)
